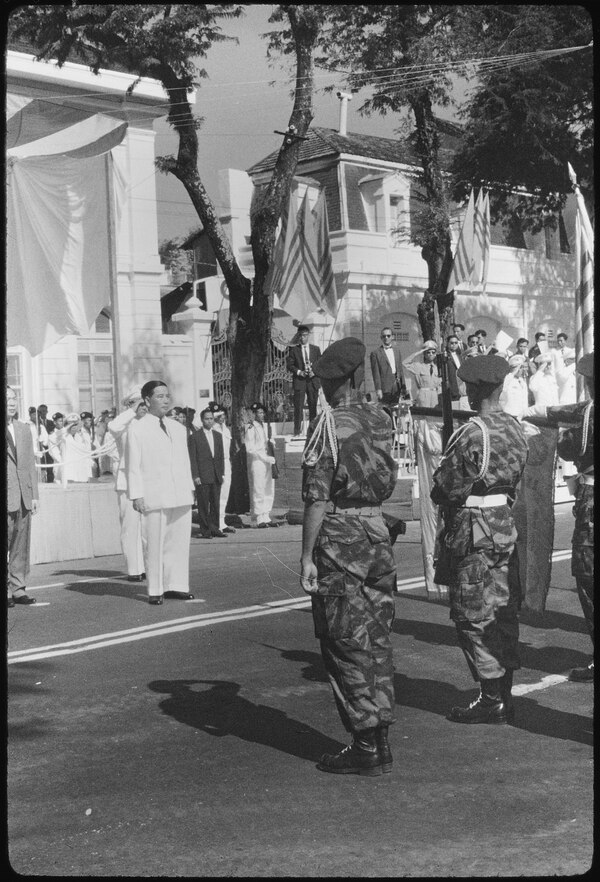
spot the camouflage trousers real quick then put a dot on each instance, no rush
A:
(353, 613)
(582, 559)
(484, 599)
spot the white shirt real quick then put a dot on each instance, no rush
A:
(389, 353)
(306, 356)
(210, 438)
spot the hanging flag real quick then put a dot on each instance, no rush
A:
(463, 258)
(301, 271)
(584, 280)
(481, 241)
(329, 300)
(478, 234)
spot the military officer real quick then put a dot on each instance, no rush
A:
(577, 445)
(475, 484)
(347, 562)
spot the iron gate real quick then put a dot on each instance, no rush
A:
(276, 392)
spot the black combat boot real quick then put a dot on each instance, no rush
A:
(383, 748)
(505, 689)
(582, 675)
(359, 758)
(488, 707)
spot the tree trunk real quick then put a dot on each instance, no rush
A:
(437, 250)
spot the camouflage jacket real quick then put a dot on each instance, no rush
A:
(469, 529)
(366, 470)
(569, 442)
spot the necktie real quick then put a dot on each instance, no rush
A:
(162, 425)
(431, 370)
(306, 361)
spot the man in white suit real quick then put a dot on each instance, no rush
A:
(160, 486)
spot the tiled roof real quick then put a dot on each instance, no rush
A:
(324, 142)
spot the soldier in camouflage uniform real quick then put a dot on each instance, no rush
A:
(347, 561)
(577, 445)
(475, 484)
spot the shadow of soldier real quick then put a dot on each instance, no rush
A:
(220, 710)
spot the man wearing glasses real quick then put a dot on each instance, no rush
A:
(386, 368)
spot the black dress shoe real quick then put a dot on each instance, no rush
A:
(228, 530)
(272, 524)
(23, 599)
(179, 595)
(262, 526)
(205, 536)
(138, 578)
(156, 601)
(219, 534)
(10, 602)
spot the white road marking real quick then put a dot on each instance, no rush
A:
(544, 683)
(157, 629)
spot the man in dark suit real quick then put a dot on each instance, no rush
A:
(208, 468)
(454, 361)
(299, 362)
(459, 330)
(22, 500)
(386, 367)
(540, 337)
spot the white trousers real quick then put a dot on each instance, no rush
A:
(262, 490)
(225, 488)
(166, 542)
(131, 534)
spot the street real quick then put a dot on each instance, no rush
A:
(181, 740)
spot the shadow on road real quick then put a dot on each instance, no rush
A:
(220, 710)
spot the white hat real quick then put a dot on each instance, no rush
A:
(430, 344)
(72, 418)
(543, 358)
(132, 395)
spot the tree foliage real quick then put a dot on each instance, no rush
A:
(525, 121)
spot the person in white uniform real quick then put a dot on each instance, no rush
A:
(131, 520)
(222, 427)
(160, 486)
(260, 478)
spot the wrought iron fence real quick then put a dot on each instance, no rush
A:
(276, 392)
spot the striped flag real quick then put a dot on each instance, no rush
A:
(463, 259)
(301, 272)
(329, 300)
(481, 241)
(584, 280)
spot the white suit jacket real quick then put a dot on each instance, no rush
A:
(157, 465)
(118, 428)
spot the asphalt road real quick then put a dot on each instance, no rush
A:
(181, 740)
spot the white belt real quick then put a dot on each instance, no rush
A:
(486, 501)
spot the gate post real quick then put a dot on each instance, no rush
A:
(197, 324)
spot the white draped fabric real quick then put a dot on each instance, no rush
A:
(59, 205)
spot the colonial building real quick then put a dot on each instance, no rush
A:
(373, 196)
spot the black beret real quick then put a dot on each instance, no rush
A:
(585, 365)
(341, 359)
(86, 415)
(58, 415)
(257, 406)
(487, 369)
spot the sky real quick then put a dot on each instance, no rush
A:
(241, 111)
